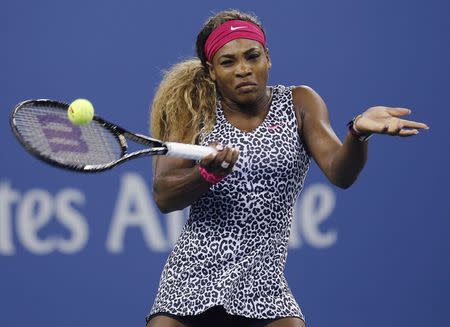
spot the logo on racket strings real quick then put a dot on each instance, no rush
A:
(62, 135)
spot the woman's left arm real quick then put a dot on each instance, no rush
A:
(342, 162)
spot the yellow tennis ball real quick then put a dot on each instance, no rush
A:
(80, 112)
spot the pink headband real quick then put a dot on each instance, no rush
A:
(229, 31)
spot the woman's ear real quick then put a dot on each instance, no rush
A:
(211, 71)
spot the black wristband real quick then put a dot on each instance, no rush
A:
(359, 136)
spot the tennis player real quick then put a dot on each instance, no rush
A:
(227, 267)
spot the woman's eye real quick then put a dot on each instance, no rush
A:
(253, 56)
(226, 62)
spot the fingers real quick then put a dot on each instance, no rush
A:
(397, 112)
(413, 124)
(394, 126)
(408, 132)
(387, 120)
(207, 161)
(223, 161)
(402, 127)
(228, 160)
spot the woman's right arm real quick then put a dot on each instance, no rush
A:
(177, 183)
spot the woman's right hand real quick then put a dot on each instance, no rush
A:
(222, 162)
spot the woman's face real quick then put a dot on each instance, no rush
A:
(240, 69)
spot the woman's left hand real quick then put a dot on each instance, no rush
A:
(386, 120)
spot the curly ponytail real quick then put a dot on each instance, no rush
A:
(184, 103)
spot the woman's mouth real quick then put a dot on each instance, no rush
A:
(245, 85)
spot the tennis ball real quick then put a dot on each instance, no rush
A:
(80, 112)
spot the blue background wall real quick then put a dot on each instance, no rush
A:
(87, 250)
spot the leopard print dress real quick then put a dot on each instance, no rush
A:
(233, 248)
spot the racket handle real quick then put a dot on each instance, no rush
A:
(188, 151)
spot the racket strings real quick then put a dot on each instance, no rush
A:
(47, 130)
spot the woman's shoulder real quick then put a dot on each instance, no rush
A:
(298, 91)
(303, 96)
(303, 91)
(295, 89)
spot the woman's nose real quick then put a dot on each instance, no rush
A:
(243, 69)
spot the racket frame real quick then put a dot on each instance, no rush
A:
(120, 134)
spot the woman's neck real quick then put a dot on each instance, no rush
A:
(247, 118)
(258, 107)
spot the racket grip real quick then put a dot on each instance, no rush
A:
(188, 151)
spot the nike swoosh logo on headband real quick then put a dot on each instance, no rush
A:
(233, 28)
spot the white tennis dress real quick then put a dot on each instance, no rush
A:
(233, 248)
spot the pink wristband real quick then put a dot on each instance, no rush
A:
(210, 177)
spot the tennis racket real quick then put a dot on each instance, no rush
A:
(43, 128)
